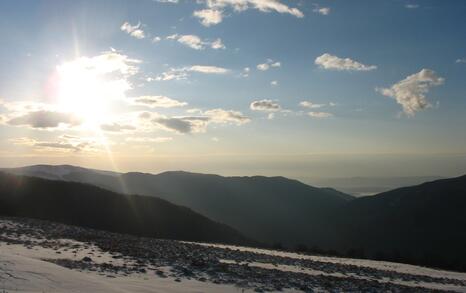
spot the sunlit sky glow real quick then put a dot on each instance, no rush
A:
(235, 87)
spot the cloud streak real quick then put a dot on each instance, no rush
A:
(157, 102)
(183, 73)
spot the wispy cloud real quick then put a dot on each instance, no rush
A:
(268, 64)
(183, 73)
(64, 143)
(195, 42)
(332, 62)
(411, 92)
(412, 6)
(321, 10)
(320, 114)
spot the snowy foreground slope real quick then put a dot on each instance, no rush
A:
(40, 256)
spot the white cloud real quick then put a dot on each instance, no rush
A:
(412, 6)
(411, 92)
(209, 17)
(156, 39)
(217, 44)
(157, 102)
(310, 105)
(191, 41)
(195, 42)
(167, 1)
(263, 66)
(194, 110)
(261, 5)
(320, 114)
(327, 61)
(172, 37)
(265, 106)
(172, 74)
(269, 63)
(133, 30)
(461, 60)
(274, 83)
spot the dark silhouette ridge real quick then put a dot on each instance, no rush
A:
(89, 206)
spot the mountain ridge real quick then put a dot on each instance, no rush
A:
(269, 209)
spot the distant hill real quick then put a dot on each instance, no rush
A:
(90, 206)
(269, 209)
(361, 186)
(423, 224)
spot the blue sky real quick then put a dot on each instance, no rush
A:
(345, 86)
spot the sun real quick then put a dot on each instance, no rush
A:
(89, 87)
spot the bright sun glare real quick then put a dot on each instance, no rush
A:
(88, 86)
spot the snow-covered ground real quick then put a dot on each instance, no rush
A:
(29, 274)
(40, 256)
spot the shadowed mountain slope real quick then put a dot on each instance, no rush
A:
(423, 224)
(90, 206)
